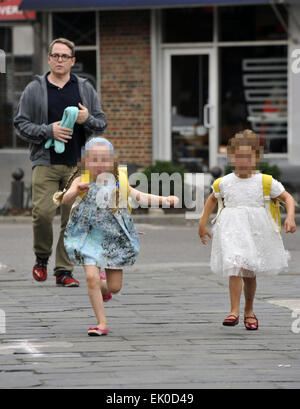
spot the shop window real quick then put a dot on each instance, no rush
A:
(254, 94)
(17, 42)
(81, 29)
(187, 25)
(6, 39)
(189, 95)
(19, 73)
(251, 23)
(23, 74)
(77, 27)
(5, 82)
(6, 107)
(86, 66)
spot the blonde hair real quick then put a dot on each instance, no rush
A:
(245, 138)
(58, 196)
(64, 41)
(117, 190)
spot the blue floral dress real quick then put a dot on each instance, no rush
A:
(95, 236)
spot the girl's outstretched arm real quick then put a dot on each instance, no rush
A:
(208, 209)
(289, 224)
(154, 200)
(77, 188)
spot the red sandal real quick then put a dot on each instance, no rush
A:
(231, 322)
(251, 325)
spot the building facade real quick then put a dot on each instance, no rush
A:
(177, 82)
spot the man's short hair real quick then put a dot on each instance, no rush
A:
(61, 40)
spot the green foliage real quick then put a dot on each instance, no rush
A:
(161, 166)
(264, 167)
(165, 167)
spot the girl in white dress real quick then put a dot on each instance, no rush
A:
(245, 243)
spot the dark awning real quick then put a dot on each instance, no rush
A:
(118, 4)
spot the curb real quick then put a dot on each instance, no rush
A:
(154, 219)
(139, 219)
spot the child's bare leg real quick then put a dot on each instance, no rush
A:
(114, 280)
(93, 285)
(103, 286)
(249, 292)
(235, 291)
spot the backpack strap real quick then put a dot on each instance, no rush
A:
(267, 183)
(123, 187)
(216, 186)
(272, 206)
(85, 177)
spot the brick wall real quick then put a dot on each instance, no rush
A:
(126, 83)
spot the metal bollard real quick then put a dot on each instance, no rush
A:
(17, 190)
(2, 61)
(216, 172)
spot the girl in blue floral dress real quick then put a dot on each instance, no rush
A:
(100, 233)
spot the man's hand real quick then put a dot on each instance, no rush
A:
(61, 133)
(83, 114)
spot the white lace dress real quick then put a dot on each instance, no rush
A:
(244, 240)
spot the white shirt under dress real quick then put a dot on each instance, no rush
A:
(244, 241)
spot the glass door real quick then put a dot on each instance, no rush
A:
(191, 108)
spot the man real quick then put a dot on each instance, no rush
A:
(38, 118)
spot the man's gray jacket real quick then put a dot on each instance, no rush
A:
(31, 120)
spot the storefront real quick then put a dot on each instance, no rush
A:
(230, 75)
(17, 42)
(179, 78)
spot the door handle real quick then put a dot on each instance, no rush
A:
(206, 116)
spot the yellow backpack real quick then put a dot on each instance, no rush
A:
(272, 205)
(123, 185)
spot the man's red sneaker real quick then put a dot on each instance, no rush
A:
(39, 270)
(66, 279)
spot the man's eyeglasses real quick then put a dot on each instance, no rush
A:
(64, 57)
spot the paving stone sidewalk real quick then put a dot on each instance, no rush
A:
(165, 324)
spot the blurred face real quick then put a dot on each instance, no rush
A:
(99, 159)
(244, 160)
(61, 61)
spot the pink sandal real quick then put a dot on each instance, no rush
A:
(106, 297)
(95, 331)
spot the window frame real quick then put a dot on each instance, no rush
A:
(216, 45)
(95, 47)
